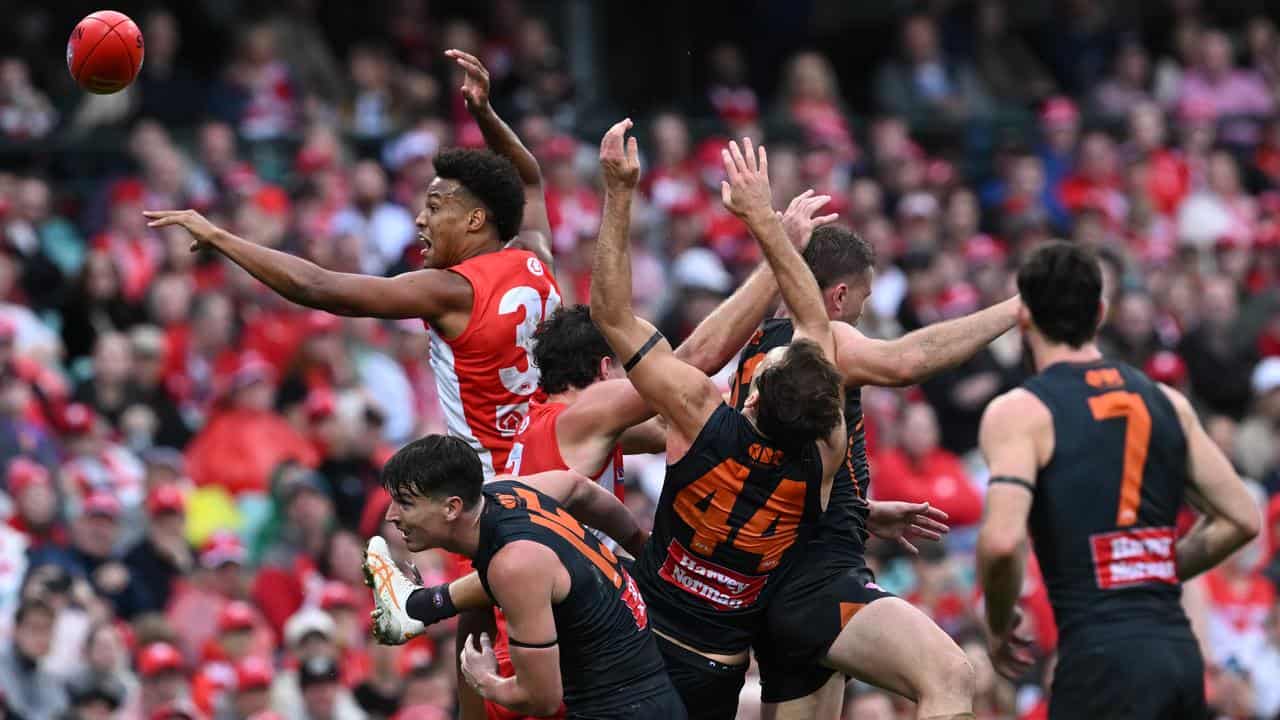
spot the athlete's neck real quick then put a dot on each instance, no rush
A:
(1046, 353)
(466, 538)
(565, 398)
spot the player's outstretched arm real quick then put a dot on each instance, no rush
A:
(1230, 516)
(681, 392)
(522, 576)
(1011, 427)
(592, 505)
(535, 230)
(419, 294)
(921, 354)
(746, 194)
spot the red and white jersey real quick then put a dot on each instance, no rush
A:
(485, 376)
(537, 450)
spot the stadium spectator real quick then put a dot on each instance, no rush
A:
(25, 112)
(384, 227)
(1128, 85)
(1228, 90)
(1004, 62)
(28, 690)
(1218, 365)
(163, 674)
(919, 470)
(926, 85)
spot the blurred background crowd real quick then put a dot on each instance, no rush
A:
(188, 465)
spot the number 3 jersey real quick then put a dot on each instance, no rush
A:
(485, 376)
(734, 515)
(1102, 520)
(608, 655)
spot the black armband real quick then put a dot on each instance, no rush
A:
(654, 339)
(1011, 480)
(430, 604)
(532, 646)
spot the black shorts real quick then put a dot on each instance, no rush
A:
(1135, 678)
(664, 706)
(708, 688)
(805, 617)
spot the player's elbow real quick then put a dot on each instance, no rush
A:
(1248, 525)
(544, 702)
(997, 542)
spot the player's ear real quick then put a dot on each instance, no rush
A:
(476, 219)
(836, 297)
(1024, 317)
(753, 398)
(453, 508)
(605, 370)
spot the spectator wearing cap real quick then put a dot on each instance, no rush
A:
(235, 642)
(106, 665)
(148, 345)
(252, 696)
(320, 360)
(672, 179)
(701, 282)
(164, 556)
(1095, 182)
(163, 674)
(96, 464)
(95, 539)
(1256, 450)
(128, 243)
(378, 692)
(245, 439)
(351, 619)
(427, 680)
(573, 209)
(95, 699)
(35, 504)
(28, 690)
(309, 637)
(350, 442)
(920, 470)
(384, 228)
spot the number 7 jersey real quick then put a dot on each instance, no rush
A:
(485, 376)
(1102, 520)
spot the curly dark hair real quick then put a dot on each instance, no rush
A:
(835, 253)
(567, 348)
(1061, 284)
(492, 179)
(801, 399)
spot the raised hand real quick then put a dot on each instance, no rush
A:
(475, 86)
(479, 667)
(903, 521)
(799, 220)
(746, 191)
(202, 231)
(620, 158)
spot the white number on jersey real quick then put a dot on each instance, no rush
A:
(524, 382)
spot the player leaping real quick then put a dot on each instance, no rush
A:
(486, 285)
(1098, 459)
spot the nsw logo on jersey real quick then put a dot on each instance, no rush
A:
(1131, 557)
(718, 585)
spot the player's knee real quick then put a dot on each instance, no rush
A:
(954, 676)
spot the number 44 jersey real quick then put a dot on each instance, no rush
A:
(485, 376)
(1106, 504)
(734, 516)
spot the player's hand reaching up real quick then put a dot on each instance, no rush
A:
(904, 521)
(746, 192)
(475, 86)
(799, 220)
(620, 158)
(479, 667)
(202, 231)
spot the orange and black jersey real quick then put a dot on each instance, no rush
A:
(843, 526)
(1105, 506)
(734, 516)
(609, 659)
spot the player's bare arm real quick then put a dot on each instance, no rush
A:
(1015, 437)
(607, 412)
(431, 294)
(526, 578)
(921, 354)
(591, 505)
(746, 194)
(535, 229)
(675, 389)
(1230, 516)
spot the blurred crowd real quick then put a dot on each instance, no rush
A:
(190, 465)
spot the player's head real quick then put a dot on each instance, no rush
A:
(475, 202)
(797, 395)
(433, 481)
(570, 352)
(1061, 288)
(844, 265)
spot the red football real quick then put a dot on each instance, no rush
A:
(104, 53)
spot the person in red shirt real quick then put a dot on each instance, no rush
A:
(35, 503)
(919, 470)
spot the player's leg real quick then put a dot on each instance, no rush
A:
(893, 645)
(822, 704)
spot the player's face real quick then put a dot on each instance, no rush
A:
(857, 292)
(421, 521)
(443, 223)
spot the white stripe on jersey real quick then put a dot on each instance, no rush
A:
(450, 393)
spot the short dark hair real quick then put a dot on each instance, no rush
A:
(1061, 284)
(32, 605)
(800, 397)
(436, 466)
(492, 179)
(835, 252)
(567, 348)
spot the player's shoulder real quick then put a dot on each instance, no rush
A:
(1017, 407)
(520, 563)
